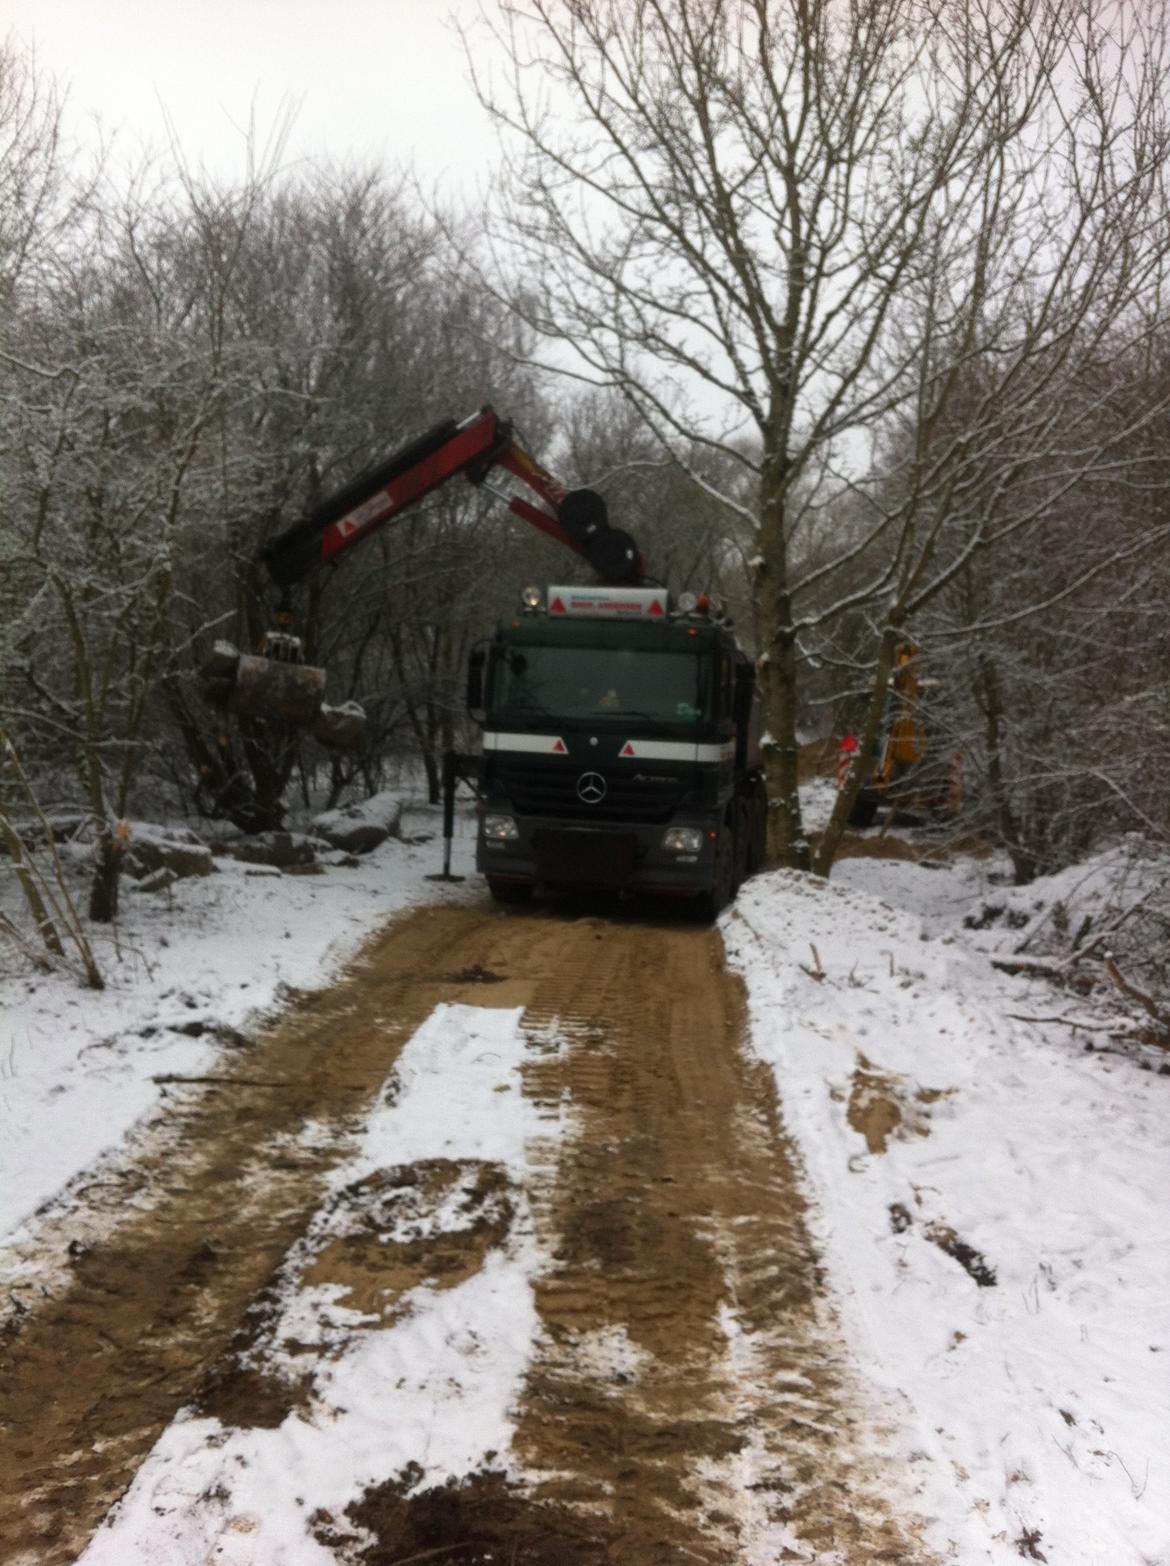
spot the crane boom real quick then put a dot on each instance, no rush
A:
(575, 518)
(277, 683)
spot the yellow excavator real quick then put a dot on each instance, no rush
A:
(913, 770)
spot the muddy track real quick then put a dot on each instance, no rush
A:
(671, 1220)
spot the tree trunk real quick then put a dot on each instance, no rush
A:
(990, 694)
(787, 844)
(863, 760)
(107, 869)
(434, 777)
(42, 919)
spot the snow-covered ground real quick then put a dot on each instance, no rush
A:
(990, 1198)
(987, 1191)
(455, 1356)
(185, 970)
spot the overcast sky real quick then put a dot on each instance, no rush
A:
(371, 79)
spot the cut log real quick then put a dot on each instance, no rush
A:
(267, 688)
(340, 728)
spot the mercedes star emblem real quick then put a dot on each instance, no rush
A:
(591, 788)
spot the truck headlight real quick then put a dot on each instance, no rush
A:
(501, 829)
(682, 840)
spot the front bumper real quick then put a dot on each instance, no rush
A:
(607, 856)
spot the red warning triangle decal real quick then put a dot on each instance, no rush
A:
(556, 607)
(627, 750)
(655, 608)
(559, 749)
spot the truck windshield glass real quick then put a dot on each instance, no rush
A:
(531, 683)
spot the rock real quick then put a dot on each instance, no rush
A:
(150, 849)
(157, 881)
(361, 827)
(61, 828)
(338, 859)
(278, 849)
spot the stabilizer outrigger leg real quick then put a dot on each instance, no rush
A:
(457, 767)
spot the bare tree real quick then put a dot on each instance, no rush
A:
(780, 227)
(37, 204)
(101, 449)
(31, 183)
(1065, 707)
(121, 380)
(323, 344)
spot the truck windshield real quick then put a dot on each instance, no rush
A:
(532, 683)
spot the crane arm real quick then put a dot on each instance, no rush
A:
(575, 518)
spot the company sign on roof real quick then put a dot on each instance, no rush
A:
(610, 603)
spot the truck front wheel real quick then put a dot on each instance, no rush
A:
(743, 842)
(710, 903)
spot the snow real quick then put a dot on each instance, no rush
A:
(454, 1358)
(1036, 1405)
(988, 1196)
(183, 972)
(380, 810)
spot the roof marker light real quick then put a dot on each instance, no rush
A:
(531, 597)
(687, 602)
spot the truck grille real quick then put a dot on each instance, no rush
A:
(537, 790)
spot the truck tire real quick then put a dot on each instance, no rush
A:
(743, 842)
(515, 892)
(710, 903)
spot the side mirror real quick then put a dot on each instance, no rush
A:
(475, 665)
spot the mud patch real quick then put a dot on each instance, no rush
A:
(971, 1260)
(238, 1390)
(431, 1222)
(248, 1398)
(973, 1263)
(884, 1104)
(473, 1521)
(476, 974)
(871, 1114)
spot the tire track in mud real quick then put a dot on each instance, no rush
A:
(689, 1393)
(227, 1180)
(687, 1399)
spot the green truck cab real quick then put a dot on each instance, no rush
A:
(620, 748)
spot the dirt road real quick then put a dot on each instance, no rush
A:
(671, 1220)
